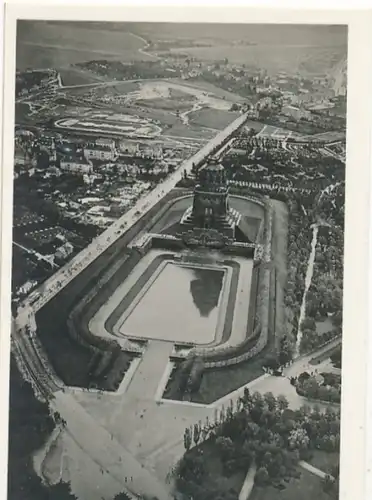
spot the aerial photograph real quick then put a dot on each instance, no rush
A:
(178, 247)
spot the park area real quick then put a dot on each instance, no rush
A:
(306, 487)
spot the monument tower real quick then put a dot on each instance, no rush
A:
(210, 210)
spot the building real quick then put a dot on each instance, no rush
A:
(210, 209)
(105, 142)
(153, 151)
(103, 153)
(295, 112)
(64, 251)
(54, 171)
(76, 165)
(129, 148)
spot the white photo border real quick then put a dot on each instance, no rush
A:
(357, 206)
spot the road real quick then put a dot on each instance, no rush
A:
(66, 274)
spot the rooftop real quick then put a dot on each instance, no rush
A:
(95, 147)
(75, 159)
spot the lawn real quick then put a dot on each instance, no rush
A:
(165, 103)
(221, 381)
(325, 461)
(193, 131)
(213, 89)
(121, 88)
(213, 118)
(257, 126)
(22, 111)
(307, 487)
(324, 326)
(74, 76)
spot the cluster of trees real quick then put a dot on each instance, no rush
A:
(311, 338)
(325, 388)
(260, 430)
(298, 250)
(336, 357)
(282, 357)
(187, 377)
(324, 297)
(120, 71)
(26, 80)
(243, 87)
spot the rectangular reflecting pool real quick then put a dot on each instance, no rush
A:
(180, 305)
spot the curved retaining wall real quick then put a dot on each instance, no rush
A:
(77, 319)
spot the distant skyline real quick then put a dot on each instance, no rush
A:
(314, 35)
(308, 49)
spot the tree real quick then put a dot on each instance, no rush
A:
(271, 362)
(183, 374)
(196, 433)
(187, 438)
(270, 401)
(122, 496)
(225, 446)
(303, 377)
(311, 387)
(286, 351)
(262, 477)
(298, 439)
(282, 402)
(196, 375)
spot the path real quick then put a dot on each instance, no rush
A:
(145, 381)
(248, 483)
(313, 470)
(46, 258)
(327, 190)
(184, 116)
(143, 49)
(308, 278)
